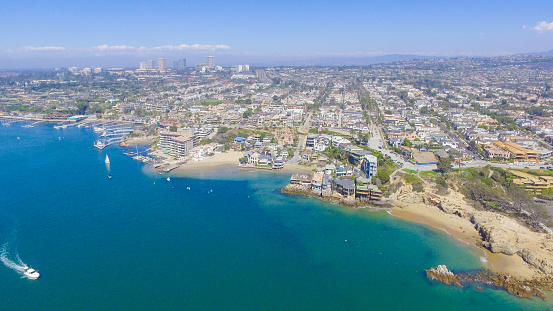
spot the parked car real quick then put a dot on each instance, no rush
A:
(526, 168)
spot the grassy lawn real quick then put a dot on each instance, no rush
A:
(426, 173)
(410, 178)
(406, 170)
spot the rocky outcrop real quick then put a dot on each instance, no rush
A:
(520, 288)
(494, 239)
(325, 195)
(533, 259)
(442, 274)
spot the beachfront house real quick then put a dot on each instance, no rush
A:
(303, 180)
(176, 143)
(345, 187)
(327, 182)
(265, 160)
(278, 163)
(317, 181)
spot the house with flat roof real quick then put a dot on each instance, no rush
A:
(176, 143)
(517, 152)
(345, 187)
(369, 165)
(303, 180)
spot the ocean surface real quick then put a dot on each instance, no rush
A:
(231, 242)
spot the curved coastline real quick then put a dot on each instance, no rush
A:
(450, 213)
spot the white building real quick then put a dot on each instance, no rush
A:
(178, 144)
(200, 152)
(161, 64)
(369, 165)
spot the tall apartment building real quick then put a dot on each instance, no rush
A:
(179, 64)
(143, 66)
(210, 62)
(161, 63)
(150, 64)
(178, 144)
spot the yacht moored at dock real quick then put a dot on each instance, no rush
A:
(99, 144)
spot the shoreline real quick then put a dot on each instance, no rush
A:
(507, 246)
(465, 233)
(229, 160)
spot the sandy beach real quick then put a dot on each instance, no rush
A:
(230, 160)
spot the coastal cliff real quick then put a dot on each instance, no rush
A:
(521, 259)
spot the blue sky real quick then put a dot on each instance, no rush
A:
(38, 32)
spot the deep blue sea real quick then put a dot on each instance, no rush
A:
(231, 242)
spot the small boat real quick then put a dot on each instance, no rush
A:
(168, 178)
(31, 273)
(188, 188)
(99, 144)
(109, 176)
(107, 159)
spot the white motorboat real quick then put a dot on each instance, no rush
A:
(99, 144)
(107, 159)
(31, 273)
(168, 178)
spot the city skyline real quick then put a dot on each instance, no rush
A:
(108, 34)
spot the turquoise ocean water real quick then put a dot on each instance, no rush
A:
(231, 242)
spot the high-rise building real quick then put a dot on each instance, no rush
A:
(179, 64)
(143, 66)
(210, 62)
(150, 64)
(161, 63)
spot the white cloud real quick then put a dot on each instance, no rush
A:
(44, 48)
(106, 47)
(183, 47)
(541, 27)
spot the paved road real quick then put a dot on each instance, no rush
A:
(302, 138)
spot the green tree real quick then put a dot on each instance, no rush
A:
(247, 113)
(444, 165)
(383, 176)
(172, 128)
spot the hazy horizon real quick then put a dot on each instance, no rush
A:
(63, 33)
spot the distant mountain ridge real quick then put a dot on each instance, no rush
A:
(350, 61)
(364, 61)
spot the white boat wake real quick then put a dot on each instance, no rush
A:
(11, 261)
